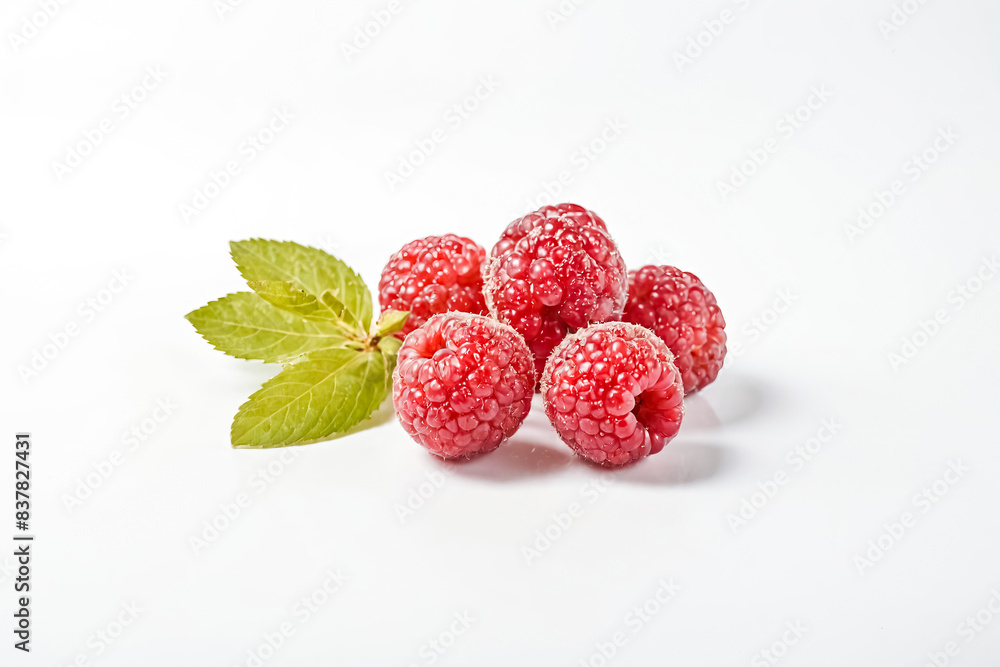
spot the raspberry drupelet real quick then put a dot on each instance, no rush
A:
(433, 275)
(679, 309)
(561, 276)
(521, 227)
(613, 393)
(463, 384)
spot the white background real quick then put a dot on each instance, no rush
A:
(560, 79)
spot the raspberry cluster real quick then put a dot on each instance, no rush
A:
(556, 290)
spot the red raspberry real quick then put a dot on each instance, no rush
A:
(518, 229)
(682, 311)
(613, 393)
(463, 384)
(562, 276)
(433, 275)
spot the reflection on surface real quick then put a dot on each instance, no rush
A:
(731, 399)
(679, 463)
(519, 457)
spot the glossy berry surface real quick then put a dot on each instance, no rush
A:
(521, 227)
(613, 393)
(433, 275)
(679, 309)
(462, 384)
(562, 276)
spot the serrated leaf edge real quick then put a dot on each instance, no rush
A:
(289, 278)
(386, 389)
(228, 353)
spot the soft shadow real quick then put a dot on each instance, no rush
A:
(699, 413)
(736, 399)
(533, 451)
(515, 459)
(679, 463)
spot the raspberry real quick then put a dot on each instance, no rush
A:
(433, 275)
(463, 384)
(683, 312)
(519, 228)
(561, 276)
(613, 393)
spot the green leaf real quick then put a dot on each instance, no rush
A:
(327, 308)
(341, 313)
(390, 322)
(248, 327)
(390, 346)
(325, 393)
(309, 269)
(285, 295)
